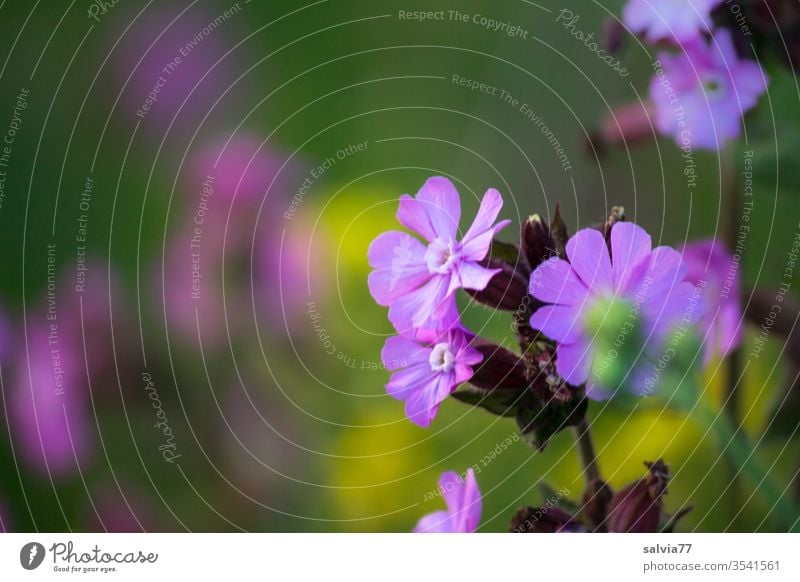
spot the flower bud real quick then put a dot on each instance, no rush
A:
(627, 124)
(500, 368)
(638, 507)
(547, 519)
(614, 35)
(507, 290)
(537, 241)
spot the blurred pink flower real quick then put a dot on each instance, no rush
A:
(676, 20)
(236, 192)
(714, 270)
(704, 92)
(51, 427)
(171, 55)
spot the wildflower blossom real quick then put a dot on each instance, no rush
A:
(418, 282)
(426, 372)
(678, 20)
(640, 289)
(463, 499)
(704, 91)
(712, 268)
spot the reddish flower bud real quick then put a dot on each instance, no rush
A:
(547, 519)
(507, 290)
(537, 241)
(627, 123)
(638, 507)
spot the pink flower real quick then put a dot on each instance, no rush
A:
(646, 284)
(678, 20)
(704, 91)
(418, 282)
(427, 373)
(463, 499)
(712, 268)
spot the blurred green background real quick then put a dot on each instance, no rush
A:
(277, 406)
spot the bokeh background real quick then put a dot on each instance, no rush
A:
(187, 341)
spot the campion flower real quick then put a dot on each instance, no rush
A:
(417, 281)
(463, 499)
(701, 94)
(638, 290)
(712, 268)
(427, 371)
(678, 20)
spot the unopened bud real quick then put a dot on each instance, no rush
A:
(500, 368)
(547, 519)
(507, 290)
(638, 507)
(626, 124)
(537, 241)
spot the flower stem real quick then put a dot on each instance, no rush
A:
(586, 452)
(746, 461)
(732, 199)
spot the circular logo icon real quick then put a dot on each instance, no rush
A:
(31, 555)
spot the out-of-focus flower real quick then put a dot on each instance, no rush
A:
(463, 499)
(424, 374)
(703, 92)
(50, 423)
(676, 20)
(638, 507)
(713, 269)
(418, 282)
(641, 293)
(237, 195)
(172, 62)
(70, 349)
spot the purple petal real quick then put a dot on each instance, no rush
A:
(436, 522)
(478, 238)
(400, 267)
(573, 362)
(439, 200)
(662, 312)
(401, 352)
(554, 281)
(588, 255)
(559, 322)
(470, 275)
(630, 244)
(463, 500)
(426, 307)
(422, 405)
(405, 383)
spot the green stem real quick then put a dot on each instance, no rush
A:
(586, 452)
(735, 445)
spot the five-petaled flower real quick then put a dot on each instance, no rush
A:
(704, 91)
(418, 282)
(646, 284)
(427, 370)
(463, 499)
(677, 20)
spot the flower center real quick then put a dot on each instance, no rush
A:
(442, 359)
(713, 87)
(441, 256)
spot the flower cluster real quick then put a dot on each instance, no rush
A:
(418, 282)
(593, 312)
(700, 93)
